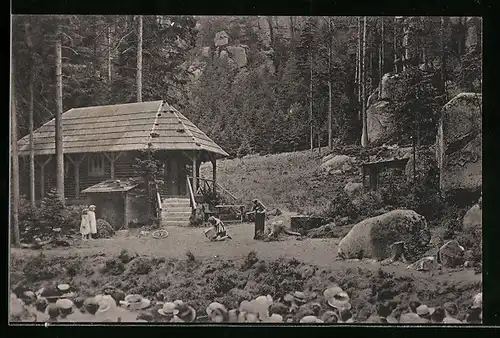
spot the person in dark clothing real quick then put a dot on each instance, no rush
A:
(438, 315)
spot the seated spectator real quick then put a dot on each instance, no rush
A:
(451, 312)
(346, 316)
(438, 315)
(423, 311)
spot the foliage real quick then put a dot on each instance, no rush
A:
(40, 221)
(104, 229)
(416, 109)
(150, 168)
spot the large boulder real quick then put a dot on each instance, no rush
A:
(338, 162)
(391, 86)
(473, 33)
(221, 39)
(373, 237)
(379, 120)
(238, 54)
(473, 218)
(459, 144)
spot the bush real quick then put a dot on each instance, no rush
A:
(40, 221)
(104, 229)
(37, 269)
(472, 239)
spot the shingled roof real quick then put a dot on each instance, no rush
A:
(122, 127)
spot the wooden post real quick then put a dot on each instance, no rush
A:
(76, 166)
(214, 172)
(42, 176)
(195, 177)
(126, 210)
(112, 159)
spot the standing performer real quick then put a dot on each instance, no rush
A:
(84, 224)
(92, 222)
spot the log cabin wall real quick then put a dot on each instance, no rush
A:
(124, 168)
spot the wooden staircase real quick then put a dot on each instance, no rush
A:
(175, 212)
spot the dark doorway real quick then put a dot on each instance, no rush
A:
(175, 177)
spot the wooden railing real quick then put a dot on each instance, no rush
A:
(191, 193)
(207, 185)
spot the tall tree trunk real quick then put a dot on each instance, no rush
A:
(443, 60)
(110, 56)
(271, 29)
(139, 58)
(330, 46)
(14, 220)
(364, 135)
(360, 64)
(381, 57)
(292, 28)
(29, 43)
(395, 44)
(58, 121)
(311, 96)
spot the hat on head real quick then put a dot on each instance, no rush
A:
(424, 310)
(217, 312)
(136, 302)
(66, 305)
(168, 309)
(477, 301)
(451, 308)
(337, 298)
(186, 312)
(91, 206)
(215, 306)
(212, 219)
(330, 317)
(299, 297)
(310, 319)
(63, 287)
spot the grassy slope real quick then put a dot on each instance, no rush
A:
(290, 181)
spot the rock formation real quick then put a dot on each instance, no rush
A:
(459, 144)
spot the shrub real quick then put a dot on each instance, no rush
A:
(104, 229)
(39, 221)
(37, 269)
(250, 260)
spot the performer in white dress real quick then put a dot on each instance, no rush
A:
(92, 222)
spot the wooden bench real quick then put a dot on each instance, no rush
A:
(223, 208)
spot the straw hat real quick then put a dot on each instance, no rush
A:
(186, 312)
(168, 309)
(65, 306)
(135, 302)
(92, 207)
(63, 287)
(330, 317)
(215, 306)
(424, 310)
(337, 298)
(299, 297)
(310, 319)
